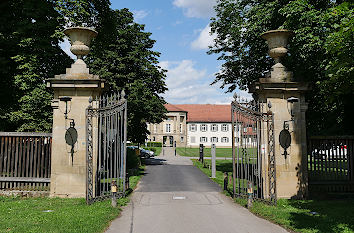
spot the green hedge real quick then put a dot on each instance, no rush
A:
(133, 161)
(154, 144)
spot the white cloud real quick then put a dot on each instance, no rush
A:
(65, 46)
(189, 85)
(196, 8)
(139, 14)
(204, 39)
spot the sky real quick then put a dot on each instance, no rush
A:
(181, 30)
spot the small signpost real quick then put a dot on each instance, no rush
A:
(213, 161)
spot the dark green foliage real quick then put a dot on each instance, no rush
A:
(122, 55)
(321, 52)
(29, 54)
(154, 144)
(133, 161)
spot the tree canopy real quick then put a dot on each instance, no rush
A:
(29, 54)
(321, 52)
(122, 54)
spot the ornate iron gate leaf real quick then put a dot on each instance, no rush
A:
(253, 151)
(106, 135)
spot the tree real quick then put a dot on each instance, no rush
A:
(320, 52)
(122, 55)
(29, 54)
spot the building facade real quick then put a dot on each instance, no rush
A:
(192, 124)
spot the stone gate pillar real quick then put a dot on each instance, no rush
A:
(286, 99)
(71, 98)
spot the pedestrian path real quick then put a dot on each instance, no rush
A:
(176, 197)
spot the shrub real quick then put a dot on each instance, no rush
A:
(133, 160)
(154, 144)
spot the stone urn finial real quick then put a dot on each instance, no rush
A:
(80, 38)
(277, 42)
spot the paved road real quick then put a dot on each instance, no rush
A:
(175, 197)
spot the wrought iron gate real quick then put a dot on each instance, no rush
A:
(106, 135)
(253, 151)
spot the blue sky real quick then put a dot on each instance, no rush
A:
(181, 30)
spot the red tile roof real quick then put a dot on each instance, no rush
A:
(173, 108)
(203, 112)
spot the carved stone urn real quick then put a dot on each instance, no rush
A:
(80, 38)
(277, 42)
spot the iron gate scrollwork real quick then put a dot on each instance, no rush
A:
(106, 136)
(253, 150)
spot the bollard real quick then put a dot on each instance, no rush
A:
(249, 194)
(201, 153)
(114, 193)
(175, 148)
(213, 161)
(127, 181)
(226, 180)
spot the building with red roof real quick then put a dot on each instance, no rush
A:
(194, 124)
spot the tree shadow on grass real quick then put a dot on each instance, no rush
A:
(323, 216)
(224, 166)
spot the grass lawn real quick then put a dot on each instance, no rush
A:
(58, 214)
(194, 152)
(220, 152)
(327, 215)
(158, 151)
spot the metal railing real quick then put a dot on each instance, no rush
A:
(331, 164)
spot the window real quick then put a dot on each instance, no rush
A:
(203, 139)
(170, 118)
(203, 127)
(237, 139)
(192, 128)
(168, 128)
(182, 139)
(214, 127)
(192, 139)
(225, 128)
(180, 128)
(225, 139)
(181, 118)
(214, 139)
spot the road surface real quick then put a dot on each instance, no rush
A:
(176, 197)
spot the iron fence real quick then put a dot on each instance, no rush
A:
(25, 161)
(331, 164)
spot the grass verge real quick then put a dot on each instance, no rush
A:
(194, 152)
(59, 214)
(307, 216)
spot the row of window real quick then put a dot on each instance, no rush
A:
(212, 139)
(168, 128)
(213, 127)
(248, 139)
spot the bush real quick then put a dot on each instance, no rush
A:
(133, 161)
(154, 144)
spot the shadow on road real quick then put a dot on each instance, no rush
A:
(154, 161)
